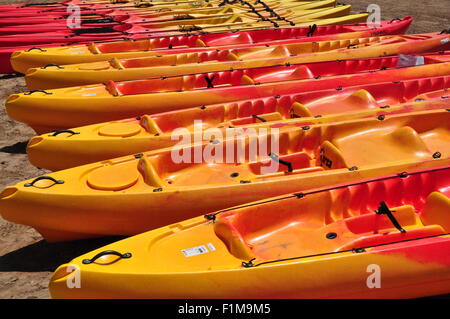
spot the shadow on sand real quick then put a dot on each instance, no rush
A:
(18, 148)
(45, 256)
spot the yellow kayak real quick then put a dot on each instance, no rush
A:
(97, 142)
(319, 243)
(191, 61)
(23, 60)
(133, 194)
(65, 108)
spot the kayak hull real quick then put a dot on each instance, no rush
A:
(411, 266)
(130, 195)
(23, 60)
(106, 140)
(104, 106)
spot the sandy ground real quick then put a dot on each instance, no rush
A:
(26, 261)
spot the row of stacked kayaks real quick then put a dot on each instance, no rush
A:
(355, 173)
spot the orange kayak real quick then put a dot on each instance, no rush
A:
(97, 142)
(133, 194)
(365, 239)
(215, 60)
(65, 108)
(104, 51)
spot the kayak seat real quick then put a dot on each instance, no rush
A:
(280, 51)
(299, 73)
(232, 57)
(392, 237)
(437, 140)
(433, 95)
(93, 48)
(300, 229)
(437, 59)
(199, 43)
(123, 46)
(232, 239)
(299, 110)
(149, 173)
(150, 125)
(113, 88)
(359, 100)
(373, 147)
(437, 211)
(115, 62)
(94, 66)
(246, 80)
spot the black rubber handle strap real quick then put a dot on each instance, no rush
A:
(52, 64)
(383, 209)
(40, 178)
(35, 48)
(182, 29)
(312, 29)
(395, 19)
(35, 91)
(209, 81)
(276, 158)
(445, 31)
(259, 118)
(95, 30)
(106, 253)
(57, 132)
(100, 20)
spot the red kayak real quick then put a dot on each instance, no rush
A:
(65, 4)
(31, 21)
(313, 33)
(60, 24)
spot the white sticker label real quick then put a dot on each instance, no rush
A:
(405, 60)
(446, 40)
(199, 250)
(89, 94)
(78, 52)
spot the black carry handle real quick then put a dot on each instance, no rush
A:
(57, 132)
(95, 30)
(384, 210)
(312, 29)
(52, 64)
(100, 20)
(276, 158)
(35, 91)
(35, 48)
(40, 178)
(259, 118)
(395, 19)
(105, 253)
